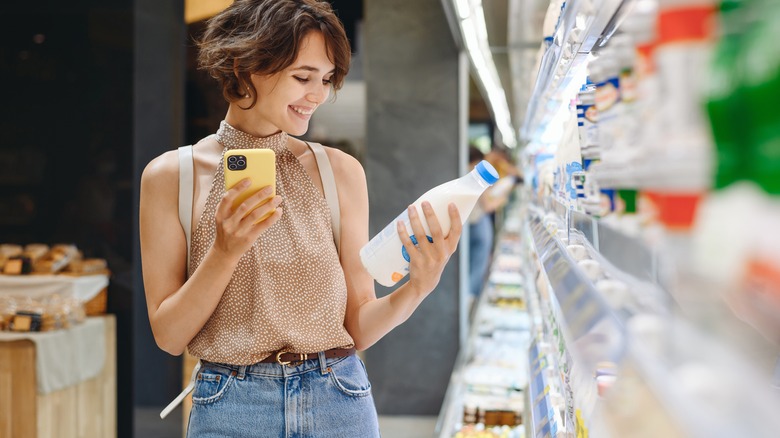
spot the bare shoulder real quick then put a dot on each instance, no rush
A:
(346, 168)
(162, 168)
(160, 179)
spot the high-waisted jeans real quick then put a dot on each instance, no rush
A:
(318, 398)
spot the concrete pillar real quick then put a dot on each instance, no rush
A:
(415, 139)
(159, 67)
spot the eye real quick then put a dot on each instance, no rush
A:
(300, 79)
(327, 81)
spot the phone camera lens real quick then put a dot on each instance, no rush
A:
(232, 159)
(232, 166)
(241, 163)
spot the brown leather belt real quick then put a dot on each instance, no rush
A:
(285, 358)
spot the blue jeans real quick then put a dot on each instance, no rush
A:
(480, 246)
(318, 398)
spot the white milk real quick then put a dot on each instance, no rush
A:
(385, 257)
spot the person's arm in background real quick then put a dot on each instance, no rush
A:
(497, 195)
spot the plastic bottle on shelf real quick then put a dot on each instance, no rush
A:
(608, 103)
(587, 120)
(724, 102)
(569, 161)
(626, 56)
(625, 147)
(761, 86)
(685, 44)
(759, 288)
(682, 151)
(641, 25)
(384, 256)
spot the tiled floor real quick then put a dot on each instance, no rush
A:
(149, 425)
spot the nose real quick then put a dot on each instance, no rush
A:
(318, 93)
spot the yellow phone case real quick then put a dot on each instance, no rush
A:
(259, 165)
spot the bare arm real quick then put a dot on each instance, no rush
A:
(369, 318)
(178, 307)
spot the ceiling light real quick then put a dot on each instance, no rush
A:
(474, 32)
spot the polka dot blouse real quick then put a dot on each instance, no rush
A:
(288, 291)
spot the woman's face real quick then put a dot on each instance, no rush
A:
(287, 99)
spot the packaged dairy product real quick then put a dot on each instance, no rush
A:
(385, 257)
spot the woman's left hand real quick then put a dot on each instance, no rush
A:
(427, 259)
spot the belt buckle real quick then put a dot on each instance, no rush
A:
(302, 358)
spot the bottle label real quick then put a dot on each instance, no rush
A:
(628, 85)
(572, 183)
(414, 241)
(607, 94)
(686, 23)
(587, 119)
(375, 244)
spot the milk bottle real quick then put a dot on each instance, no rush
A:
(384, 256)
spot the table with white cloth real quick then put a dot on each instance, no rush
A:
(59, 383)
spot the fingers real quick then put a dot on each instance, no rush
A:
(418, 229)
(253, 201)
(456, 227)
(263, 212)
(224, 209)
(404, 236)
(433, 222)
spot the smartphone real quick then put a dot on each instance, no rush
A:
(259, 165)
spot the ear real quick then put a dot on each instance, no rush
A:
(243, 88)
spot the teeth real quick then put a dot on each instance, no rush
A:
(304, 112)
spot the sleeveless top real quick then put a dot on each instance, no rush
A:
(288, 292)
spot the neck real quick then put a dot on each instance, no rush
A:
(248, 121)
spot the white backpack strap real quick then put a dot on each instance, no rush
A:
(179, 398)
(331, 193)
(186, 191)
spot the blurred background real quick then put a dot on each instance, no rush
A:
(633, 284)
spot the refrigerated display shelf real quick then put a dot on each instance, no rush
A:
(691, 384)
(584, 26)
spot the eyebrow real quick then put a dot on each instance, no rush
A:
(310, 68)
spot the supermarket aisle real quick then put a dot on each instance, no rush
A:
(149, 425)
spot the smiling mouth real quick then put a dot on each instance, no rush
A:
(302, 111)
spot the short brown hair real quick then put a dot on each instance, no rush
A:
(263, 37)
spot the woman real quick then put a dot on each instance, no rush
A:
(481, 230)
(273, 311)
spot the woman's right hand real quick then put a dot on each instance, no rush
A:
(236, 232)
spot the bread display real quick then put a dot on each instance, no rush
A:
(22, 313)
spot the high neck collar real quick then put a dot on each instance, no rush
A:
(232, 138)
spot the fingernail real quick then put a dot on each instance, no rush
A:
(412, 211)
(277, 200)
(426, 205)
(246, 182)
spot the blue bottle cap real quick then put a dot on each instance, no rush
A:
(487, 172)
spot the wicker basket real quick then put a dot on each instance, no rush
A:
(98, 304)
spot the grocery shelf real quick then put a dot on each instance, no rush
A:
(628, 253)
(584, 26)
(700, 386)
(580, 305)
